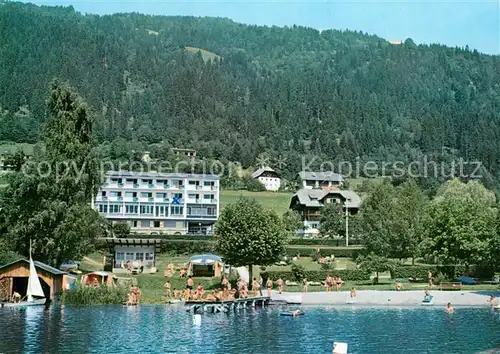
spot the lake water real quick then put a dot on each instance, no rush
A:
(170, 329)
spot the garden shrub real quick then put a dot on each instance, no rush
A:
(299, 271)
(345, 274)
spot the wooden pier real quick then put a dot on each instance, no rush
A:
(226, 306)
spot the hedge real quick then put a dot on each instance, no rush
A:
(292, 241)
(421, 272)
(189, 246)
(415, 272)
(320, 275)
(174, 237)
(306, 251)
(320, 242)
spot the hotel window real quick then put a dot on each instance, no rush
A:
(105, 208)
(193, 211)
(129, 256)
(103, 193)
(149, 256)
(131, 209)
(177, 182)
(161, 195)
(146, 209)
(132, 181)
(139, 256)
(146, 194)
(100, 208)
(120, 256)
(209, 183)
(147, 181)
(114, 209)
(211, 211)
(176, 210)
(194, 183)
(208, 196)
(134, 223)
(156, 224)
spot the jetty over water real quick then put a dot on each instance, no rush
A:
(226, 306)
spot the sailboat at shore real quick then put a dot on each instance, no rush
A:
(34, 292)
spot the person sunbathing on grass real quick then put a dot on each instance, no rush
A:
(398, 286)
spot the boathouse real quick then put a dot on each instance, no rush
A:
(14, 277)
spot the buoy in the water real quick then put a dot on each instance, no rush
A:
(339, 348)
(197, 320)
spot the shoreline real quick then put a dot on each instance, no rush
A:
(385, 298)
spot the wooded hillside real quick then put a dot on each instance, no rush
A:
(253, 91)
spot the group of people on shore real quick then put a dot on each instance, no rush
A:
(330, 282)
(134, 296)
(225, 293)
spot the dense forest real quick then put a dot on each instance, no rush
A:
(258, 94)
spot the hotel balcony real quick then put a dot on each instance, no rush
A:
(146, 199)
(130, 199)
(198, 216)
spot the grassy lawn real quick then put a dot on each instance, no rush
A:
(205, 54)
(152, 284)
(272, 200)
(309, 264)
(12, 147)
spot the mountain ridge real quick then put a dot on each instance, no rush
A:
(280, 91)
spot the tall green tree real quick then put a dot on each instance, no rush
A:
(48, 201)
(292, 222)
(461, 224)
(409, 211)
(248, 234)
(378, 222)
(332, 221)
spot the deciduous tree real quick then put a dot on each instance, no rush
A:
(248, 234)
(461, 224)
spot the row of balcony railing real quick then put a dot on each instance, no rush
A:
(159, 215)
(160, 186)
(156, 200)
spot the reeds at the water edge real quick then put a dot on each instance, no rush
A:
(102, 295)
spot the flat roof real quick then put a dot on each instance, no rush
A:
(153, 174)
(133, 242)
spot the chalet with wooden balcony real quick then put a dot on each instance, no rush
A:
(309, 202)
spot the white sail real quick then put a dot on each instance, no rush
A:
(34, 285)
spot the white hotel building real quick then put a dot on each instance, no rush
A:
(154, 203)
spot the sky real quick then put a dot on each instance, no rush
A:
(475, 23)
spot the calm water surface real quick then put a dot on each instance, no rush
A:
(169, 329)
